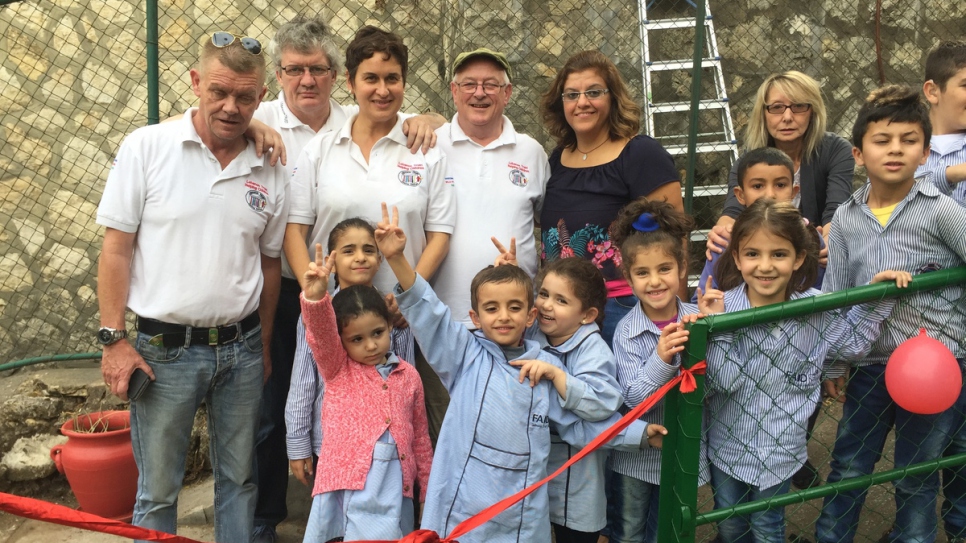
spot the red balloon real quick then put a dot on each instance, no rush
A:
(922, 376)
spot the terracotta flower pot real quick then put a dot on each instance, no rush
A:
(99, 463)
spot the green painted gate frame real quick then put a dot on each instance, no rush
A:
(678, 514)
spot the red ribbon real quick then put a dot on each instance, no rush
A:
(58, 514)
(688, 384)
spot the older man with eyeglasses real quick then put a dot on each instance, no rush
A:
(499, 175)
(194, 228)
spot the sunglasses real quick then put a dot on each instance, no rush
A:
(224, 39)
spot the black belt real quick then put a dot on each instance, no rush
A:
(165, 334)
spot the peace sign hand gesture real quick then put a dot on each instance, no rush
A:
(316, 278)
(506, 257)
(390, 239)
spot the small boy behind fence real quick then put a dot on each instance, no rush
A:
(893, 222)
(495, 438)
(765, 172)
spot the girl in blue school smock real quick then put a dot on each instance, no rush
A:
(570, 299)
(763, 381)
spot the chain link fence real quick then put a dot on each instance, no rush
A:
(761, 386)
(73, 82)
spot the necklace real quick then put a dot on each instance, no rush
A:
(592, 150)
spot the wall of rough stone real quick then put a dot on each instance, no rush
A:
(73, 83)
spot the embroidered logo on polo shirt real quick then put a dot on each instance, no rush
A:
(518, 174)
(257, 196)
(408, 174)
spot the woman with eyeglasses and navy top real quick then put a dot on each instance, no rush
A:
(348, 172)
(600, 164)
(789, 114)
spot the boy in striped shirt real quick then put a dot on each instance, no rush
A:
(893, 222)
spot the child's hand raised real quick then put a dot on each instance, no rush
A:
(506, 257)
(672, 341)
(710, 300)
(655, 435)
(316, 278)
(390, 238)
(902, 278)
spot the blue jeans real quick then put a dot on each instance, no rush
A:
(614, 311)
(271, 456)
(631, 509)
(228, 379)
(867, 417)
(954, 479)
(762, 527)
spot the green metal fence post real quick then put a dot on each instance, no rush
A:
(700, 10)
(683, 416)
(151, 23)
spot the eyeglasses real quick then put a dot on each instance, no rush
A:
(591, 94)
(224, 39)
(778, 109)
(489, 87)
(294, 70)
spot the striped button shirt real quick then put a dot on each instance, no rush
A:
(926, 232)
(303, 407)
(763, 383)
(938, 161)
(640, 372)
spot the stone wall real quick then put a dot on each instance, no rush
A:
(73, 83)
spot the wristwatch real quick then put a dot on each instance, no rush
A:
(110, 336)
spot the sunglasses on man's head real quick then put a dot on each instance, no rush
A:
(224, 39)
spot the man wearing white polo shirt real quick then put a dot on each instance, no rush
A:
(194, 228)
(499, 175)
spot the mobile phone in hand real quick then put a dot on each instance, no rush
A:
(138, 384)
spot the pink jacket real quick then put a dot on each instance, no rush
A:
(358, 406)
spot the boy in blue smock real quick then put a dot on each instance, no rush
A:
(495, 438)
(895, 222)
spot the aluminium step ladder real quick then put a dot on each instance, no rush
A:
(721, 138)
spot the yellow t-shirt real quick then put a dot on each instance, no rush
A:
(883, 213)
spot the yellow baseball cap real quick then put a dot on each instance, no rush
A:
(499, 58)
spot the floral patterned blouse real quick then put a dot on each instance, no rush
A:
(581, 203)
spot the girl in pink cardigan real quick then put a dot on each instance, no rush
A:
(375, 437)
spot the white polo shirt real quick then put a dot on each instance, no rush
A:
(201, 230)
(296, 134)
(333, 182)
(499, 192)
